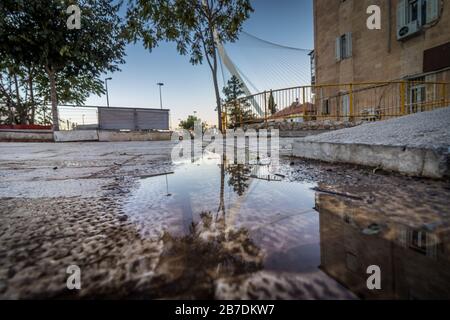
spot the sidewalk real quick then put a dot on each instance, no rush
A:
(416, 145)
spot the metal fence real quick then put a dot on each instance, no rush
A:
(133, 119)
(112, 118)
(370, 101)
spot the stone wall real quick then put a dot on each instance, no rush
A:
(325, 125)
(377, 54)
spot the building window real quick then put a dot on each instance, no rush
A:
(325, 107)
(412, 15)
(417, 95)
(413, 10)
(418, 241)
(344, 46)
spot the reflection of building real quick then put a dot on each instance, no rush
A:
(415, 263)
(413, 44)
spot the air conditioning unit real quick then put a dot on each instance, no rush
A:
(408, 30)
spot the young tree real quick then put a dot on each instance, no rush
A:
(271, 104)
(36, 33)
(237, 109)
(189, 123)
(195, 26)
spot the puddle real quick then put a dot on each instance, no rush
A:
(228, 228)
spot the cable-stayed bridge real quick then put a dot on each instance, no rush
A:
(262, 65)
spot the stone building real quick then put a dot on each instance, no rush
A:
(412, 45)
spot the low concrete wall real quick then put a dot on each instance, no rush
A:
(26, 135)
(76, 135)
(301, 133)
(432, 163)
(105, 136)
(81, 135)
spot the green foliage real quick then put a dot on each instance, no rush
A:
(237, 109)
(194, 25)
(67, 64)
(189, 123)
(37, 33)
(271, 104)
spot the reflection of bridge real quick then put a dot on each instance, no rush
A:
(246, 176)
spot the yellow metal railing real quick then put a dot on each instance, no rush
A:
(367, 101)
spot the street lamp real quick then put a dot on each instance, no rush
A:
(107, 94)
(160, 84)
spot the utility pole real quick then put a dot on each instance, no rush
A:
(107, 94)
(160, 84)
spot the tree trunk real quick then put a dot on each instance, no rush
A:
(33, 106)
(20, 109)
(54, 98)
(219, 106)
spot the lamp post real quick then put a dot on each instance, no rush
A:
(160, 84)
(107, 94)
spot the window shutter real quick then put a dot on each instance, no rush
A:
(401, 14)
(432, 10)
(348, 38)
(338, 49)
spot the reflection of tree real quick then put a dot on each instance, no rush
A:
(190, 264)
(222, 186)
(239, 176)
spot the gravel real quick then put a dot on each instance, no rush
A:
(429, 130)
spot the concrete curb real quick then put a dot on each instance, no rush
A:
(75, 135)
(421, 162)
(26, 135)
(108, 136)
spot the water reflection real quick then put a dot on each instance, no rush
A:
(233, 231)
(414, 261)
(190, 264)
(239, 176)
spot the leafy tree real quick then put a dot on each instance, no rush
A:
(194, 25)
(25, 92)
(36, 34)
(189, 123)
(236, 109)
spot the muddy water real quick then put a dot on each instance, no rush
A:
(207, 229)
(247, 231)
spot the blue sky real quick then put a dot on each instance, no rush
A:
(189, 88)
